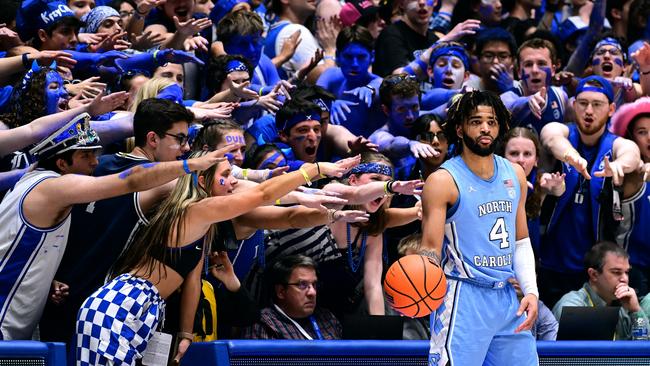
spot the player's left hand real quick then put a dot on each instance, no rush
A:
(529, 306)
(612, 169)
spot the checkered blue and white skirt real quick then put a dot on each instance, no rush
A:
(115, 323)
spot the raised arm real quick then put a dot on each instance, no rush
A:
(215, 209)
(358, 195)
(48, 200)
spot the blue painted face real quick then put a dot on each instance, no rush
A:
(448, 72)
(54, 92)
(249, 46)
(354, 61)
(403, 112)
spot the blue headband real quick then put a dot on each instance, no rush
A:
(324, 104)
(377, 168)
(27, 79)
(609, 41)
(235, 65)
(450, 51)
(606, 87)
(312, 115)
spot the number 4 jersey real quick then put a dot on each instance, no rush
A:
(480, 230)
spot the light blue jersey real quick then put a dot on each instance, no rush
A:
(475, 325)
(480, 229)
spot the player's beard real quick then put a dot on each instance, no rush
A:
(476, 148)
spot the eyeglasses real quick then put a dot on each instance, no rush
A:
(489, 56)
(595, 104)
(125, 13)
(181, 138)
(304, 285)
(429, 136)
(612, 51)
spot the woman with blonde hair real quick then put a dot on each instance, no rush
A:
(117, 321)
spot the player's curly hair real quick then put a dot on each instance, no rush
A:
(28, 104)
(463, 106)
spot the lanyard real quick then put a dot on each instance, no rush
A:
(300, 328)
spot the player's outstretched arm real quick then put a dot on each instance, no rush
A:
(439, 193)
(524, 259)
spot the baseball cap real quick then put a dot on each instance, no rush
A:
(75, 135)
(626, 113)
(40, 14)
(354, 10)
(606, 87)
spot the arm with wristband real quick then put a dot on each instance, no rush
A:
(524, 259)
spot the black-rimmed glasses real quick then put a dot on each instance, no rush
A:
(181, 138)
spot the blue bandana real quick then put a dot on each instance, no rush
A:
(95, 17)
(450, 51)
(376, 168)
(235, 65)
(610, 42)
(606, 87)
(324, 104)
(301, 117)
(172, 92)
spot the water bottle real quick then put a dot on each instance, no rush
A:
(639, 329)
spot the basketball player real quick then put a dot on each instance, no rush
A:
(475, 201)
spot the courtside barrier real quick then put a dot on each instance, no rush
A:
(397, 353)
(31, 353)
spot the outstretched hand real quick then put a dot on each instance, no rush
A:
(612, 169)
(573, 158)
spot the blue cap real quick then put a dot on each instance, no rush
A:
(75, 135)
(40, 14)
(606, 87)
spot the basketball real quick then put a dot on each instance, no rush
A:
(415, 286)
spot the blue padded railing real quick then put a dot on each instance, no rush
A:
(32, 353)
(397, 353)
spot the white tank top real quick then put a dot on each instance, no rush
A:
(29, 258)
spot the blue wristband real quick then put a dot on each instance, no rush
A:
(444, 13)
(186, 167)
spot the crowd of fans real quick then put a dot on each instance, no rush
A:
(161, 156)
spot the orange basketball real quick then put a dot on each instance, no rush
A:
(415, 286)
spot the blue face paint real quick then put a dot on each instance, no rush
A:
(222, 181)
(237, 139)
(449, 69)
(548, 72)
(54, 91)
(618, 61)
(270, 161)
(403, 112)
(595, 62)
(354, 62)
(249, 46)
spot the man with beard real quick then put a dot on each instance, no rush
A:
(588, 153)
(474, 224)
(400, 99)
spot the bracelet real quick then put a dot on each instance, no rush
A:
(185, 335)
(186, 167)
(386, 187)
(389, 186)
(155, 53)
(319, 173)
(444, 13)
(306, 176)
(244, 173)
(277, 202)
(329, 58)
(260, 92)
(644, 72)
(26, 60)
(421, 64)
(372, 89)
